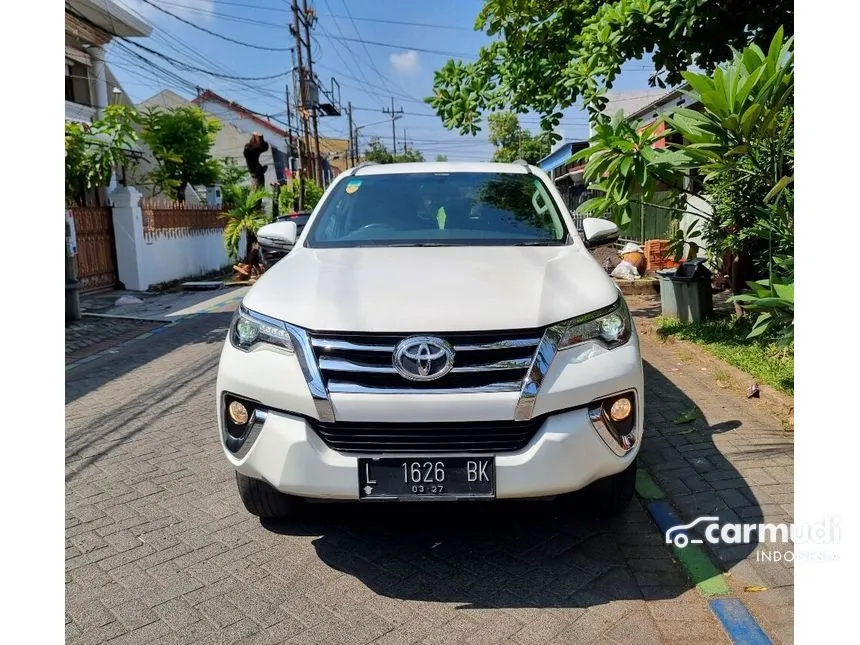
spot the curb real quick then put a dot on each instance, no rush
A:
(152, 332)
(731, 612)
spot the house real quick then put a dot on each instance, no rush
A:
(567, 175)
(238, 124)
(641, 108)
(230, 140)
(246, 122)
(644, 114)
(90, 26)
(249, 122)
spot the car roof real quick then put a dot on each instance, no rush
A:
(443, 167)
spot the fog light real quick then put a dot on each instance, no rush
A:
(238, 413)
(620, 410)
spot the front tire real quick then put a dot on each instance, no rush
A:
(611, 495)
(262, 500)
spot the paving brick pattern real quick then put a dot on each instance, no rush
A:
(734, 461)
(159, 549)
(91, 335)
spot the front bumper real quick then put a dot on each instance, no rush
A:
(566, 454)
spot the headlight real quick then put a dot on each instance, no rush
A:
(610, 326)
(250, 328)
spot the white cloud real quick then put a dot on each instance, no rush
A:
(405, 62)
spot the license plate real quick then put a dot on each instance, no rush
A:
(426, 478)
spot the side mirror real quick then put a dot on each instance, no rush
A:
(599, 231)
(277, 234)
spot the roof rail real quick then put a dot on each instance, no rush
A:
(363, 164)
(523, 162)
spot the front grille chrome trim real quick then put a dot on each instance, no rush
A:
(502, 344)
(330, 343)
(483, 361)
(342, 365)
(513, 364)
(540, 366)
(311, 372)
(345, 387)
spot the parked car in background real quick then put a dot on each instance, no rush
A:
(274, 249)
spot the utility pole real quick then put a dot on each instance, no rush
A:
(349, 155)
(313, 101)
(395, 114)
(290, 148)
(312, 81)
(301, 94)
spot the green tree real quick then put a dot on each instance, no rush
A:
(378, 153)
(231, 176)
(741, 143)
(547, 56)
(181, 141)
(512, 142)
(441, 157)
(94, 152)
(246, 217)
(409, 156)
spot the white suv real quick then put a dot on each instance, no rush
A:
(438, 332)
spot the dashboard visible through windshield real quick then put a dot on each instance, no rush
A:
(438, 209)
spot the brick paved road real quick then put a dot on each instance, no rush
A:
(91, 335)
(158, 548)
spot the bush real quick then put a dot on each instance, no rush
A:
(287, 197)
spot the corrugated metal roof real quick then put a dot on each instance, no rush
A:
(631, 101)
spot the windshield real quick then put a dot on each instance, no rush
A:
(438, 209)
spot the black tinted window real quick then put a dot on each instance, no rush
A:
(457, 209)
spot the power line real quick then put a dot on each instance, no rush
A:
(213, 33)
(246, 5)
(208, 72)
(174, 61)
(367, 52)
(404, 22)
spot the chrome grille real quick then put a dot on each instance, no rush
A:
(495, 361)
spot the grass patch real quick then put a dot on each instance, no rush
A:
(726, 339)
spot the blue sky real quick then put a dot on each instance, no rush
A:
(368, 74)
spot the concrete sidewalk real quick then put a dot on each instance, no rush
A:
(163, 307)
(734, 461)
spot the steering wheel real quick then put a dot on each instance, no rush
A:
(376, 225)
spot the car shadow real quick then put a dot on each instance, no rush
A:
(681, 454)
(541, 554)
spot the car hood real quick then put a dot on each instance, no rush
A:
(431, 289)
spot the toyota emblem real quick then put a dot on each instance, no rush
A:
(423, 358)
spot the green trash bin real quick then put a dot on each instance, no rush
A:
(685, 292)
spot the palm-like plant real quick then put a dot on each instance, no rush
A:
(246, 216)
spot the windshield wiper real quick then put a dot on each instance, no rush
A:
(540, 243)
(419, 244)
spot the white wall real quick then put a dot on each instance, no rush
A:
(144, 261)
(169, 258)
(695, 206)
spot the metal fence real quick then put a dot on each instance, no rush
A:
(647, 222)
